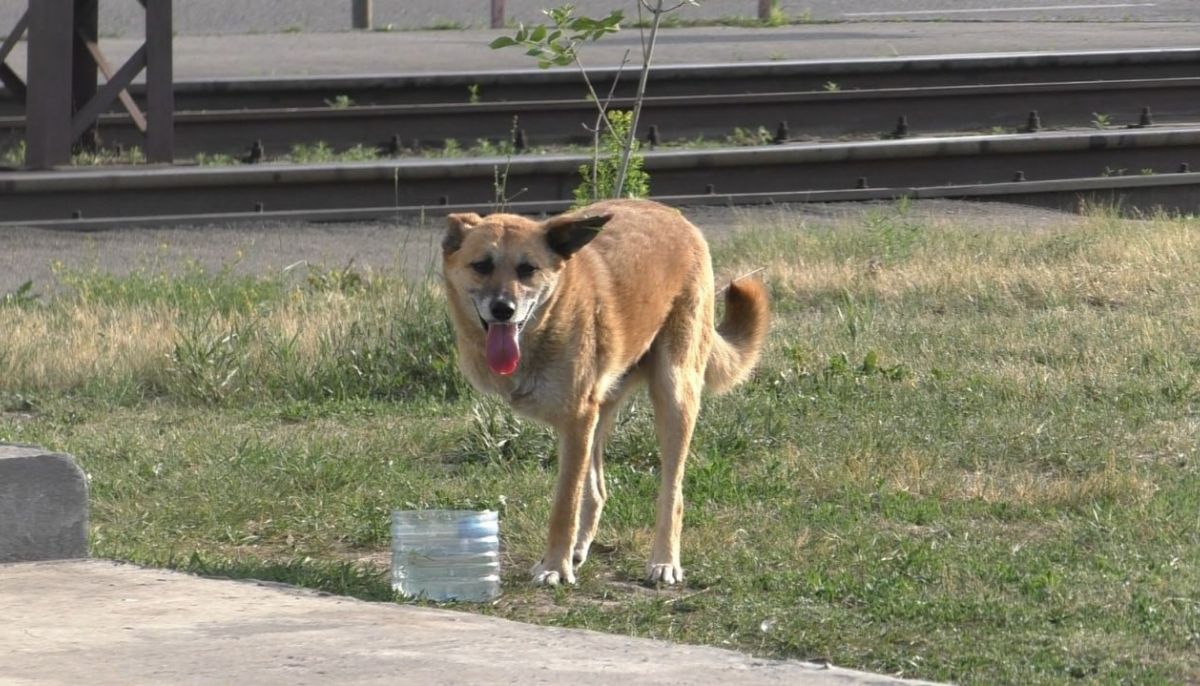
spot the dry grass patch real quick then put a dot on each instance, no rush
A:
(220, 338)
(969, 453)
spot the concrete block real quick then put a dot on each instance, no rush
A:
(43, 505)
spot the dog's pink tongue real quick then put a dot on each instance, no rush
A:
(503, 351)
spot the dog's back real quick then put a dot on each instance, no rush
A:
(646, 262)
(651, 268)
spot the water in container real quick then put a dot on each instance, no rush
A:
(446, 554)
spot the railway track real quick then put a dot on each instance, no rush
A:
(1131, 154)
(862, 98)
(809, 115)
(1136, 167)
(678, 80)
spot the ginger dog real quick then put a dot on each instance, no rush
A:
(563, 318)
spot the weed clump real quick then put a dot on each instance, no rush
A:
(600, 178)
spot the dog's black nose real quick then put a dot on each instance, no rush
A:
(502, 310)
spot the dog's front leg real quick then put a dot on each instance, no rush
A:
(574, 456)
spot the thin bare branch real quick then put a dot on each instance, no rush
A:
(639, 98)
(743, 276)
(689, 596)
(602, 117)
(612, 90)
(601, 106)
(750, 273)
(642, 25)
(646, 4)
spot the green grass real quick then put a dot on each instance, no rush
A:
(969, 453)
(14, 156)
(446, 25)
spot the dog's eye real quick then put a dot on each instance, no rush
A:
(525, 270)
(483, 267)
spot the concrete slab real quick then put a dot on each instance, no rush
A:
(100, 622)
(43, 505)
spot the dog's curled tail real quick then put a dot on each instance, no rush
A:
(740, 335)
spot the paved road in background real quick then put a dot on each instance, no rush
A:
(123, 17)
(315, 54)
(408, 246)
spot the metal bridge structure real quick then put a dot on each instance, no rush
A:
(63, 99)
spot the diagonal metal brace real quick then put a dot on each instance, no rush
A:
(9, 77)
(105, 68)
(116, 84)
(18, 30)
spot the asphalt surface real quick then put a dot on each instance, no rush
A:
(313, 54)
(268, 16)
(406, 246)
(96, 622)
(43, 256)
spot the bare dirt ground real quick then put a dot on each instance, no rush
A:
(36, 254)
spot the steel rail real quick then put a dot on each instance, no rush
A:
(820, 114)
(805, 169)
(1170, 193)
(679, 80)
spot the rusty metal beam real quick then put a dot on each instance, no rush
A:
(361, 14)
(48, 108)
(84, 62)
(160, 89)
(12, 81)
(497, 14)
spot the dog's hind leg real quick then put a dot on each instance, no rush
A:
(594, 491)
(675, 393)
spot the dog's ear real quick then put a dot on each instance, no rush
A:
(568, 233)
(457, 226)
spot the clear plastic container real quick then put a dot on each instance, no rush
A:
(446, 554)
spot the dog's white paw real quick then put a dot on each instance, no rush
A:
(543, 576)
(668, 574)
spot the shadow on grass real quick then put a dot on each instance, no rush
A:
(338, 578)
